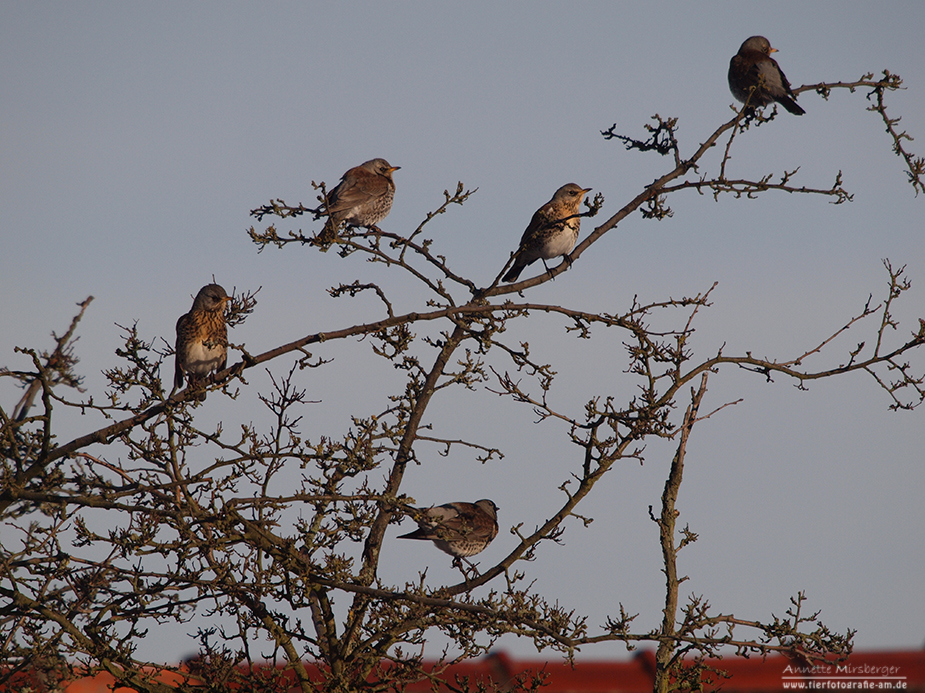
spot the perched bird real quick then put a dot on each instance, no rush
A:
(362, 198)
(753, 67)
(552, 232)
(202, 337)
(459, 529)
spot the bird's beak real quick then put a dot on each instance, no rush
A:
(773, 50)
(394, 168)
(585, 191)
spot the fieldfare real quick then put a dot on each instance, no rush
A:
(459, 529)
(754, 68)
(362, 198)
(202, 337)
(552, 232)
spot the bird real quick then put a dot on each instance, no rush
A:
(362, 198)
(459, 529)
(552, 231)
(202, 337)
(754, 68)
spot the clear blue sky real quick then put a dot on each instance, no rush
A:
(135, 138)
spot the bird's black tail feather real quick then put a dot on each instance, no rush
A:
(791, 105)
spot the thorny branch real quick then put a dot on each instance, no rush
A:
(208, 528)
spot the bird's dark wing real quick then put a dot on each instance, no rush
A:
(184, 334)
(355, 189)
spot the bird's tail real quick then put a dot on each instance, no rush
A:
(419, 533)
(514, 272)
(328, 235)
(791, 105)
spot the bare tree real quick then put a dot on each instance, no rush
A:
(150, 518)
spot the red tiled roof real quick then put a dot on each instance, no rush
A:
(863, 671)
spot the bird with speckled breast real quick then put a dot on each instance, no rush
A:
(459, 529)
(362, 198)
(202, 337)
(552, 232)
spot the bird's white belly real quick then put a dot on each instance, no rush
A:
(202, 360)
(559, 244)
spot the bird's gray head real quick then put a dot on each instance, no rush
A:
(571, 193)
(211, 297)
(757, 43)
(380, 167)
(488, 507)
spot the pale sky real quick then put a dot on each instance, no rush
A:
(135, 138)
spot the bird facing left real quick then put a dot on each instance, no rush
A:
(202, 337)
